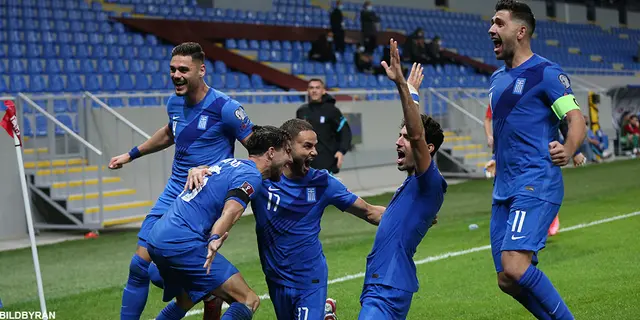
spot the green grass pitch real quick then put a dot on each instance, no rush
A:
(595, 268)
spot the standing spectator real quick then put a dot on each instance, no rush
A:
(433, 51)
(322, 49)
(334, 133)
(369, 21)
(337, 26)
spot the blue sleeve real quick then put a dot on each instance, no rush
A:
(236, 119)
(556, 83)
(247, 180)
(339, 195)
(430, 179)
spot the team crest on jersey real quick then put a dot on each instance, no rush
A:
(519, 86)
(247, 188)
(240, 114)
(564, 80)
(202, 123)
(311, 194)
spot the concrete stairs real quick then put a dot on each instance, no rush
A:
(74, 185)
(463, 148)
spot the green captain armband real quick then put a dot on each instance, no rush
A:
(565, 104)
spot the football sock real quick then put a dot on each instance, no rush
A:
(237, 311)
(171, 312)
(136, 291)
(154, 275)
(532, 304)
(537, 283)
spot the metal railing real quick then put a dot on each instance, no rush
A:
(56, 171)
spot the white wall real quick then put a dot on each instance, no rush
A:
(607, 18)
(13, 222)
(633, 20)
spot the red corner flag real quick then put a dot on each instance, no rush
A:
(10, 122)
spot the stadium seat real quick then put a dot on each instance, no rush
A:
(125, 82)
(18, 83)
(37, 84)
(66, 121)
(41, 126)
(74, 83)
(92, 83)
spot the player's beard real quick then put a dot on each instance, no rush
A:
(275, 172)
(507, 49)
(300, 165)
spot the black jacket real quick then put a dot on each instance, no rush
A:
(336, 20)
(368, 20)
(332, 128)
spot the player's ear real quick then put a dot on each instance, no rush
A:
(431, 147)
(202, 70)
(522, 32)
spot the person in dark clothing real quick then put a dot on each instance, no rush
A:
(369, 21)
(332, 128)
(322, 49)
(433, 51)
(363, 60)
(337, 27)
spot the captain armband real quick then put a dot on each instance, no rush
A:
(565, 104)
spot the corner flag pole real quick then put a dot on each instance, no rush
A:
(10, 123)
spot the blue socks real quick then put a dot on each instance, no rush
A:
(135, 293)
(171, 312)
(540, 287)
(531, 303)
(237, 311)
(154, 274)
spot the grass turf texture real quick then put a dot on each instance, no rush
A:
(594, 268)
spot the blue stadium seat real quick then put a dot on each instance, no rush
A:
(151, 66)
(151, 101)
(18, 83)
(3, 68)
(136, 66)
(125, 82)
(74, 83)
(41, 126)
(27, 131)
(217, 81)
(231, 80)
(35, 66)
(158, 81)
(109, 82)
(37, 84)
(66, 121)
(60, 106)
(104, 66)
(145, 52)
(56, 83)
(92, 83)
(256, 82)
(87, 66)
(245, 82)
(119, 66)
(142, 82)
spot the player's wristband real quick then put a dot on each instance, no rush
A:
(134, 153)
(414, 94)
(213, 238)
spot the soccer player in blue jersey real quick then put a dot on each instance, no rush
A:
(390, 278)
(184, 242)
(529, 96)
(288, 214)
(204, 124)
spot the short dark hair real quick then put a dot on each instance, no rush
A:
(192, 49)
(432, 132)
(294, 126)
(519, 11)
(316, 80)
(265, 137)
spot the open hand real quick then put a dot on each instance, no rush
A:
(213, 248)
(394, 68)
(416, 76)
(196, 178)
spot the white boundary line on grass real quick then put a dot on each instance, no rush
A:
(449, 255)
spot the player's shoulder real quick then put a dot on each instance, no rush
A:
(174, 101)
(496, 73)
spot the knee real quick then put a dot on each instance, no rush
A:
(154, 275)
(138, 270)
(515, 264)
(506, 284)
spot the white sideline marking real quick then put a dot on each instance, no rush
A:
(447, 255)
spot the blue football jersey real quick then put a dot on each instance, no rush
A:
(403, 225)
(288, 214)
(524, 124)
(191, 216)
(205, 132)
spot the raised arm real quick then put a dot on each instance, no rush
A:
(162, 139)
(366, 211)
(410, 110)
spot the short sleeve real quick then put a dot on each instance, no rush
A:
(557, 88)
(339, 195)
(430, 180)
(235, 118)
(247, 181)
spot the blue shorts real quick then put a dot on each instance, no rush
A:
(383, 302)
(183, 271)
(297, 304)
(170, 193)
(520, 223)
